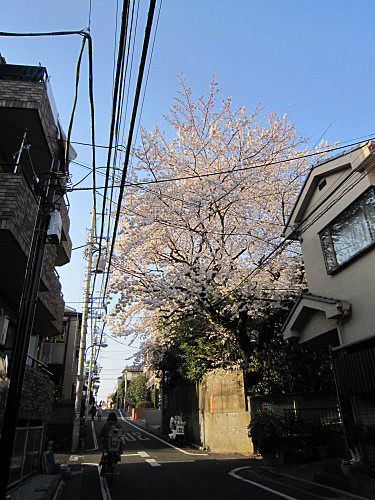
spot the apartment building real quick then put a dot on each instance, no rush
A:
(33, 163)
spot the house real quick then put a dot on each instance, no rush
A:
(153, 381)
(334, 220)
(32, 163)
(60, 354)
(128, 374)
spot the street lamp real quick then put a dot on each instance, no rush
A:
(95, 344)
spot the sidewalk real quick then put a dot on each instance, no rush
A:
(41, 486)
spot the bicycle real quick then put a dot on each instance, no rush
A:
(111, 454)
(108, 462)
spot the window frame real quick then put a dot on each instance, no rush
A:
(327, 231)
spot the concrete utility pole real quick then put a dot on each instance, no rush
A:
(82, 348)
(89, 380)
(126, 388)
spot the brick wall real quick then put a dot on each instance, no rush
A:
(37, 396)
(30, 95)
(18, 209)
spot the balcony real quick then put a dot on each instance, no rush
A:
(26, 104)
(27, 107)
(18, 212)
(64, 250)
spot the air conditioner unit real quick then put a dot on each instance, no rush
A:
(54, 228)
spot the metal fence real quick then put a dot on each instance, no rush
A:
(328, 417)
(26, 452)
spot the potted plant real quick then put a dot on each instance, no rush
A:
(355, 464)
(267, 430)
(321, 436)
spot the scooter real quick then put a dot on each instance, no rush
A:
(177, 426)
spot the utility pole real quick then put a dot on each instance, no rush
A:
(89, 380)
(126, 389)
(82, 349)
(25, 324)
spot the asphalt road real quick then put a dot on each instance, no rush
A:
(151, 468)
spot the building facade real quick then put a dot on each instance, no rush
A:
(33, 163)
(334, 219)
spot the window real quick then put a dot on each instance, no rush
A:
(350, 233)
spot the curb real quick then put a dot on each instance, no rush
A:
(53, 488)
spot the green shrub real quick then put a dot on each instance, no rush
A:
(267, 431)
(145, 404)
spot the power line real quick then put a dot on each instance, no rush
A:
(119, 68)
(131, 128)
(235, 169)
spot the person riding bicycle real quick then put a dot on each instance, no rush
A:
(111, 436)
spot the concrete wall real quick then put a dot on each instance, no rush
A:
(222, 412)
(153, 416)
(215, 412)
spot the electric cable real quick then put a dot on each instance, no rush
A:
(235, 168)
(131, 129)
(120, 55)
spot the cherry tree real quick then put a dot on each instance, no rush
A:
(201, 227)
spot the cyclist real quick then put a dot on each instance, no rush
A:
(111, 438)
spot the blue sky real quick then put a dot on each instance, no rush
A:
(312, 59)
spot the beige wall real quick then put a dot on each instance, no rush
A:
(223, 417)
(215, 412)
(354, 282)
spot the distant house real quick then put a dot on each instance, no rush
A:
(334, 219)
(128, 374)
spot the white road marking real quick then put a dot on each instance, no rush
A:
(94, 435)
(143, 454)
(153, 462)
(233, 473)
(161, 440)
(189, 461)
(104, 486)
